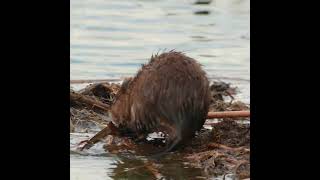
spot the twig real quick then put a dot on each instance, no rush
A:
(228, 114)
(110, 129)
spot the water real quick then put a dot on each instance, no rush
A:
(111, 39)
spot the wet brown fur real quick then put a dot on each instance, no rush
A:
(170, 94)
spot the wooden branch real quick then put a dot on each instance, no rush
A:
(76, 97)
(228, 114)
(110, 129)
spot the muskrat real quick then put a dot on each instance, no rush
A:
(169, 94)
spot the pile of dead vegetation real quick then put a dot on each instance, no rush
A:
(223, 148)
(89, 107)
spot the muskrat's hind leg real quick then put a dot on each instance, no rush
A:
(171, 145)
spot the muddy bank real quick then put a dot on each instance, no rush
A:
(220, 149)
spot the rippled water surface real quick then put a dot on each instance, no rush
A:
(111, 39)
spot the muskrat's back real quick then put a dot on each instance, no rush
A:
(169, 94)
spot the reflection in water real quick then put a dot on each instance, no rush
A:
(169, 168)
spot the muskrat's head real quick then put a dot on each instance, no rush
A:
(120, 109)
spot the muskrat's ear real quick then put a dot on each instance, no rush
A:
(125, 84)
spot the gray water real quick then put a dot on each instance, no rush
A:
(111, 39)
